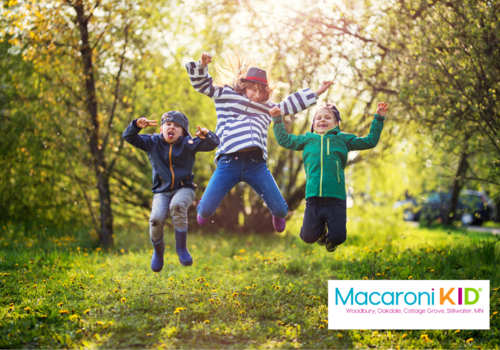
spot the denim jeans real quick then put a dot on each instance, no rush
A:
(320, 211)
(248, 167)
(175, 202)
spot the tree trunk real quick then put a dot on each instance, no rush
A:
(457, 185)
(497, 204)
(99, 164)
(106, 234)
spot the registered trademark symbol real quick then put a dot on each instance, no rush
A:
(480, 289)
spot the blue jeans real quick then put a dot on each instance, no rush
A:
(248, 167)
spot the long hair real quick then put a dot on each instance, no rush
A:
(237, 65)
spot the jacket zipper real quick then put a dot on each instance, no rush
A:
(338, 176)
(321, 176)
(171, 168)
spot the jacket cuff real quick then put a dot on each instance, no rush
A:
(278, 119)
(379, 117)
(196, 69)
(134, 123)
(212, 138)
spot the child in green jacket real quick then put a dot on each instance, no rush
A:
(325, 157)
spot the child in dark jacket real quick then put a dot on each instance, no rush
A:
(172, 155)
(325, 157)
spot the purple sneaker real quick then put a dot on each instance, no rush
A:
(279, 224)
(201, 221)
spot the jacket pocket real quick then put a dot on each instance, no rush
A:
(327, 147)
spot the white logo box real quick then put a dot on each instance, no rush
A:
(428, 304)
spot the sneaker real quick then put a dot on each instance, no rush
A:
(330, 247)
(202, 221)
(322, 239)
(279, 224)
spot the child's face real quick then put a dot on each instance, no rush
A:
(171, 131)
(254, 94)
(324, 121)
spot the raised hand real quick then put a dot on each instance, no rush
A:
(275, 111)
(201, 132)
(143, 122)
(382, 108)
(206, 58)
(324, 86)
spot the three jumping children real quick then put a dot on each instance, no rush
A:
(243, 102)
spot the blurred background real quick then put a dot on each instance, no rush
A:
(75, 73)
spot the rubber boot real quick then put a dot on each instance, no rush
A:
(157, 259)
(279, 224)
(180, 248)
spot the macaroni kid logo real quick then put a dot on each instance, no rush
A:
(409, 298)
(408, 304)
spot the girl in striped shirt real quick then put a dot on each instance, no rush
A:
(242, 99)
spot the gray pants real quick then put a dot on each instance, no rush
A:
(175, 202)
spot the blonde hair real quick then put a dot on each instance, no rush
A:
(238, 64)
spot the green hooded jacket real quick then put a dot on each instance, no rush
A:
(325, 156)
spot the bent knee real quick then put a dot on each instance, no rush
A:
(154, 222)
(308, 238)
(179, 207)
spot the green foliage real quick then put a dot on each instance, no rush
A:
(432, 71)
(59, 291)
(449, 64)
(34, 178)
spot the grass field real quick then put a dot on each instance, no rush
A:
(59, 290)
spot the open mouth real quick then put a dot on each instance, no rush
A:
(170, 134)
(322, 125)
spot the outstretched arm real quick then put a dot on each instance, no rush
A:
(285, 139)
(201, 79)
(371, 140)
(302, 100)
(131, 134)
(205, 142)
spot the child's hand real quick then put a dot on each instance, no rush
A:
(206, 58)
(324, 86)
(275, 111)
(201, 132)
(143, 122)
(382, 109)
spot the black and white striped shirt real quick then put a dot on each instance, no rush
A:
(243, 123)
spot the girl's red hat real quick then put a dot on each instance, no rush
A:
(256, 75)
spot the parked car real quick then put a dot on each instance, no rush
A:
(473, 207)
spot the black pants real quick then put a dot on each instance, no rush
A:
(320, 211)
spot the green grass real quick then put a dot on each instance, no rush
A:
(58, 290)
